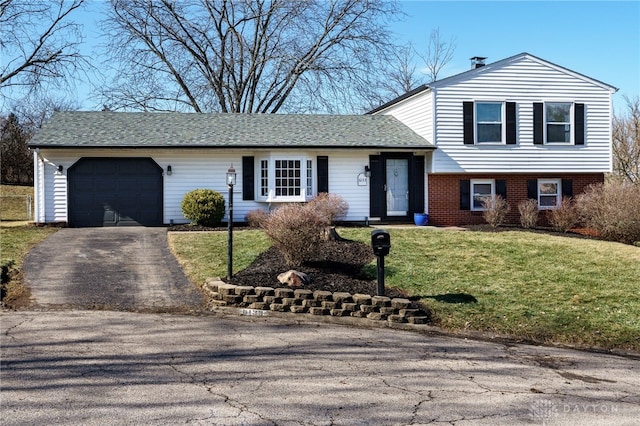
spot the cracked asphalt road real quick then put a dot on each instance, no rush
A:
(99, 367)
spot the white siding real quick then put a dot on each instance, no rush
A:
(416, 113)
(201, 168)
(524, 80)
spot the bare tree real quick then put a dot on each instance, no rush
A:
(438, 54)
(40, 44)
(626, 142)
(243, 55)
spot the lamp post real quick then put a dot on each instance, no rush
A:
(231, 181)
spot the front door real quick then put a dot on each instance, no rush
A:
(396, 186)
(397, 174)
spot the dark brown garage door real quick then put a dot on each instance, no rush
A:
(115, 192)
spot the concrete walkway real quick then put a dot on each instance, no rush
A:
(100, 367)
(129, 268)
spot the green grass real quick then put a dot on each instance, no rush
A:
(204, 254)
(541, 287)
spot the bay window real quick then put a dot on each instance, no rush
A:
(286, 179)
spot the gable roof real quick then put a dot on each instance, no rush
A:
(472, 72)
(196, 130)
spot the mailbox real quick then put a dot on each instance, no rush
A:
(380, 242)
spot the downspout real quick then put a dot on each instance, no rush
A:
(38, 190)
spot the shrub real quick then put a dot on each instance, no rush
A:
(563, 217)
(613, 210)
(495, 210)
(295, 229)
(255, 218)
(329, 207)
(203, 207)
(528, 213)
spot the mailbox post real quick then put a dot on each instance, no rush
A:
(381, 244)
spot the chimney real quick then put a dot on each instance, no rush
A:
(477, 62)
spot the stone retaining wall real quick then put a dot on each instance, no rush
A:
(303, 301)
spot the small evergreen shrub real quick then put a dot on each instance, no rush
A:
(528, 210)
(563, 217)
(613, 210)
(203, 207)
(495, 210)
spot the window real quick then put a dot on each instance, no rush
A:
(480, 191)
(549, 193)
(489, 122)
(286, 179)
(287, 174)
(309, 177)
(558, 122)
(264, 178)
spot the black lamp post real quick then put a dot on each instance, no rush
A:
(231, 181)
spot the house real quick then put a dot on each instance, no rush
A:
(129, 168)
(521, 128)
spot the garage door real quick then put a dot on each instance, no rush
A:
(115, 192)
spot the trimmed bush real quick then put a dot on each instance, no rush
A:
(563, 217)
(329, 207)
(613, 210)
(203, 207)
(296, 230)
(528, 210)
(495, 210)
(255, 218)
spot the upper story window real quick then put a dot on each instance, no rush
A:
(489, 119)
(558, 122)
(489, 123)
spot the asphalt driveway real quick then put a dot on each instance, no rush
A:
(129, 268)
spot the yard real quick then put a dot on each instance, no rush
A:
(538, 286)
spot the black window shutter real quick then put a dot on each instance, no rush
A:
(511, 123)
(501, 188)
(532, 189)
(578, 112)
(465, 194)
(418, 184)
(248, 181)
(467, 113)
(323, 173)
(538, 123)
(377, 195)
(567, 188)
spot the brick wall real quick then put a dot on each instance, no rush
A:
(444, 195)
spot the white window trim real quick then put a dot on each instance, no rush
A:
(571, 123)
(271, 176)
(558, 183)
(473, 182)
(503, 118)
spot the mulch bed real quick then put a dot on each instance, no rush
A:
(340, 270)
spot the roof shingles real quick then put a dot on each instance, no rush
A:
(192, 130)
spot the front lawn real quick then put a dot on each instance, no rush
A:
(541, 287)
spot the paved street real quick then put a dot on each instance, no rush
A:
(99, 367)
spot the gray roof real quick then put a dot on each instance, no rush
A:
(194, 130)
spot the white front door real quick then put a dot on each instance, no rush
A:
(397, 186)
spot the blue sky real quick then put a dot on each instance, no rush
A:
(600, 39)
